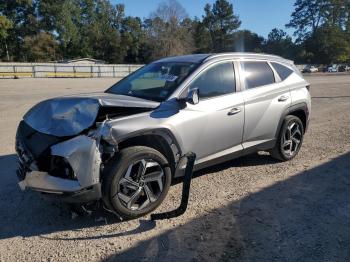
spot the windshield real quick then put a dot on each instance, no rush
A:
(156, 81)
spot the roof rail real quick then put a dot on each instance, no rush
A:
(247, 55)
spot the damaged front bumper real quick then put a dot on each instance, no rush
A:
(68, 191)
(69, 169)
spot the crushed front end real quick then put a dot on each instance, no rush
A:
(67, 167)
(63, 143)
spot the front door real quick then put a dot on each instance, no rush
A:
(214, 126)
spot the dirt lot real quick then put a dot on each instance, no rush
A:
(249, 209)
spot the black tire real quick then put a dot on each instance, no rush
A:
(115, 170)
(278, 151)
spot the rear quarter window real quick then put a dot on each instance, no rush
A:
(283, 71)
(257, 74)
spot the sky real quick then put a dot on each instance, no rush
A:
(259, 16)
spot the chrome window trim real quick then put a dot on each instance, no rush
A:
(276, 76)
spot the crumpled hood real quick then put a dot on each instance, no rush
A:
(70, 115)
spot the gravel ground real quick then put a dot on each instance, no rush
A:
(249, 209)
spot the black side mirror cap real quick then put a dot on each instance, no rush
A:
(193, 96)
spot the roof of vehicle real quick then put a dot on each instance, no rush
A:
(195, 58)
(200, 58)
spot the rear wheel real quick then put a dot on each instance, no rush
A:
(136, 181)
(289, 140)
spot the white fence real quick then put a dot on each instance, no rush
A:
(22, 70)
(60, 70)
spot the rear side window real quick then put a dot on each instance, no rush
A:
(216, 81)
(283, 71)
(257, 74)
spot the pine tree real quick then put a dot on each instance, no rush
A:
(221, 23)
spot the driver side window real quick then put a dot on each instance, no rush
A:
(216, 81)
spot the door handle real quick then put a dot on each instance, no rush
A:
(234, 111)
(283, 98)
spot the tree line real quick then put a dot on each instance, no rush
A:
(50, 30)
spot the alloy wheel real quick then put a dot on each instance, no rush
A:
(291, 139)
(141, 185)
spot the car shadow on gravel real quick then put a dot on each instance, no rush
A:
(303, 218)
(29, 213)
(254, 159)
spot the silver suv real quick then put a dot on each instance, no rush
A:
(125, 145)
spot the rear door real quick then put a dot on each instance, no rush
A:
(266, 97)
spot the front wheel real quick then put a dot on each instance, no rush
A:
(289, 140)
(135, 181)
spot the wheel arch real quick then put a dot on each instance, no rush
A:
(300, 113)
(299, 110)
(161, 140)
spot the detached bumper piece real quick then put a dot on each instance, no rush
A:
(191, 158)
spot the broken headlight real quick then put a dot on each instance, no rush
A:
(59, 167)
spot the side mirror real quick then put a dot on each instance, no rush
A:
(193, 96)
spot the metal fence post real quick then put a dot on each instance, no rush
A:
(55, 70)
(99, 71)
(74, 72)
(114, 71)
(91, 71)
(14, 71)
